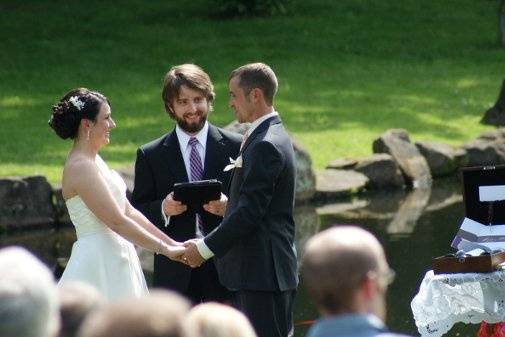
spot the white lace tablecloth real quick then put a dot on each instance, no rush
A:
(446, 299)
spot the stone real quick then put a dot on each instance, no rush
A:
(414, 167)
(338, 183)
(342, 164)
(381, 171)
(61, 211)
(26, 202)
(481, 152)
(442, 159)
(305, 177)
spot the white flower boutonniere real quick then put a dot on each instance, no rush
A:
(234, 163)
(76, 102)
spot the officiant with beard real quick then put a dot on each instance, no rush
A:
(193, 150)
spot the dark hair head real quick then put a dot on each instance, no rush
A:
(189, 75)
(257, 75)
(77, 104)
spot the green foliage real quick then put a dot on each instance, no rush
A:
(230, 8)
(348, 70)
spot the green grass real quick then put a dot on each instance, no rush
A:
(348, 70)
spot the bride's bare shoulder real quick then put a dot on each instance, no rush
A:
(78, 166)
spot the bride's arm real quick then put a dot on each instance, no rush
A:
(93, 190)
(137, 216)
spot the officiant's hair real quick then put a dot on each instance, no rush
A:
(335, 264)
(257, 75)
(75, 105)
(191, 76)
(28, 296)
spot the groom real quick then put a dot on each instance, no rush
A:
(254, 244)
(194, 150)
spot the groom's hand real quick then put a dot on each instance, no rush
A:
(191, 256)
(173, 207)
(217, 207)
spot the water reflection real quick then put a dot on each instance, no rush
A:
(413, 226)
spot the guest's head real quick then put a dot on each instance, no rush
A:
(345, 270)
(159, 314)
(28, 296)
(252, 90)
(218, 320)
(77, 300)
(188, 94)
(82, 114)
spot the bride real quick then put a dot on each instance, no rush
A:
(106, 224)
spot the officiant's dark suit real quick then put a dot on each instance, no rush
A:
(158, 167)
(188, 95)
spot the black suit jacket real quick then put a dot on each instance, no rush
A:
(159, 165)
(254, 245)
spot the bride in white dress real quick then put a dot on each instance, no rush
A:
(106, 224)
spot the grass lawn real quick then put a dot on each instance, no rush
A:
(348, 70)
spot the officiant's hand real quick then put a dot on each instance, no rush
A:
(173, 207)
(217, 207)
(192, 257)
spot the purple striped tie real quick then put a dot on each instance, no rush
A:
(195, 163)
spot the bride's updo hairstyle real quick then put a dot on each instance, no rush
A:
(77, 104)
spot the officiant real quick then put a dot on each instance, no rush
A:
(194, 150)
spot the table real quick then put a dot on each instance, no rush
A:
(446, 299)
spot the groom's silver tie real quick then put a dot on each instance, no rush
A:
(195, 163)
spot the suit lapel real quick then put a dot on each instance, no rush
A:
(262, 127)
(173, 157)
(213, 153)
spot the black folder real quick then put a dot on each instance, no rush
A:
(196, 193)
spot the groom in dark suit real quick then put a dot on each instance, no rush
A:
(194, 150)
(254, 244)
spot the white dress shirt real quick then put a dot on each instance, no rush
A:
(183, 139)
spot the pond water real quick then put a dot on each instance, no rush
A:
(413, 226)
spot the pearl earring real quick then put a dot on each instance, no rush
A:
(87, 136)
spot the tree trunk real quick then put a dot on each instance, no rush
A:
(496, 114)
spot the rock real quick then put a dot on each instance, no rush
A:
(442, 159)
(414, 167)
(481, 152)
(342, 164)
(338, 183)
(60, 207)
(305, 177)
(382, 171)
(26, 202)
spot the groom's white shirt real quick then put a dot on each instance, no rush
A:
(203, 249)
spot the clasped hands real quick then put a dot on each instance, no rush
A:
(191, 255)
(171, 207)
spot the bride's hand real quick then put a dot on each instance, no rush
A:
(174, 251)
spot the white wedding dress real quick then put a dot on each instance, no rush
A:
(100, 256)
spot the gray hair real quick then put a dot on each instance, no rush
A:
(28, 296)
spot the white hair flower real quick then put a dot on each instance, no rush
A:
(76, 102)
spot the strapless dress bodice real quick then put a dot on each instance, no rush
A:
(85, 222)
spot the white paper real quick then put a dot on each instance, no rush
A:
(492, 193)
(473, 235)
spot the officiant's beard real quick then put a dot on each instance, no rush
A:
(193, 127)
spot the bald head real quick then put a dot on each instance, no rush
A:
(335, 264)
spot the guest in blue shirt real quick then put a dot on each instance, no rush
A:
(345, 270)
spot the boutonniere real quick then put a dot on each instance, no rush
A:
(234, 163)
